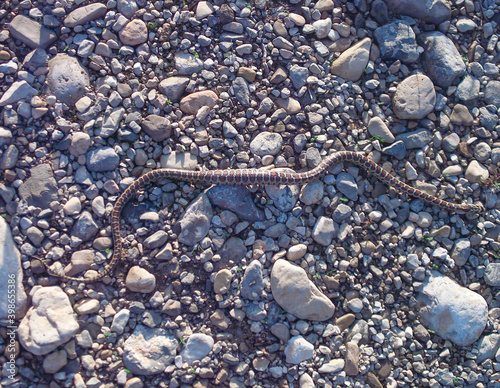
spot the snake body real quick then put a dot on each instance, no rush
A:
(253, 176)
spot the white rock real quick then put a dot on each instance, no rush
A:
(454, 312)
(198, 346)
(298, 350)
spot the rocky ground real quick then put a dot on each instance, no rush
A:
(341, 282)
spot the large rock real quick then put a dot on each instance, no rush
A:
(40, 189)
(14, 303)
(85, 14)
(415, 97)
(294, 292)
(149, 351)
(353, 61)
(430, 11)
(49, 323)
(30, 32)
(158, 127)
(67, 79)
(441, 59)
(396, 40)
(454, 312)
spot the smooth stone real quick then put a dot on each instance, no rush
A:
(195, 222)
(19, 90)
(492, 93)
(238, 199)
(134, 33)
(352, 62)
(415, 97)
(430, 11)
(492, 274)
(67, 79)
(173, 87)
(85, 14)
(378, 129)
(194, 101)
(30, 32)
(461, 115)
(454, 312)
(476, 172)
(295, 293)
(140, 280)
(252, 283)
(266, 143)
(197, 347)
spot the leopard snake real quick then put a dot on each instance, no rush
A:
(253, 176)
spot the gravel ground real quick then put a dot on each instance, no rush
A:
(340, 282)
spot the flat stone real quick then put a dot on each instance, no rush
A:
(295, 293)
(415, 97)
(19, 90)
(416, 139)
(492, 274)
(173, 87)
(187, 64)
(194, 101)
(454, 312)
(158, 127)
(352, 62)
(468, 88)
(85, 14)
(266, 143)
(378, 129)
(238, 199)
(461, 115)
(40, 189)
(30, 32)
(195, 222)
(492, 93)
(298, 349)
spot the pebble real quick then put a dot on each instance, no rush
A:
(85, 14)
(194, 101)
(294, 292)
(197, 347)
(140, 280)
(332, 366)
(195, 222)
(492, 274)
(134, 33)
(379, 130)
(298, 349)
(31, 33)
(102, 159)
(476, 172)
(19, 90)
(252, 283)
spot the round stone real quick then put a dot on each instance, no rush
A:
(415, 98)
(134, 33)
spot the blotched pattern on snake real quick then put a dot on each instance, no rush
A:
(253, 176)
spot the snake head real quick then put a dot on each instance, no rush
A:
(477, 208)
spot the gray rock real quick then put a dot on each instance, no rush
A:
(397, 149)
(179, 160)
(476, 172)
(67, 79)
(324, 231)
(415, 139)
(461, 115)
(461, 251)
(441, 60)
(19, 90)
(487, 347)
(298, 76)
(252, 282)
(430, 11)
(111, 122)
(127, 8)
(415, 97)
(35, 59)
(85, 14)
(455, 313)
(197, 347)
(173, 87)
(85, 227)
(352, 62)
(284, 197)
(53, 362)
(40, 189)
(332, 366)
(238, 199)
(11, 278)
(49, 323)
(396, 40)
(195, 222)
(187, 64)
(379, 130)
(148, 351)
(140, 280)
(492, 93)
(312, 192)
(347, 185)
(266, 143)
(492, 274)
(241, 91)
(468, 88)
(134, 33)
(30, 32)
(351, 359)
(157, 127)
(487, 118)
(102, 159)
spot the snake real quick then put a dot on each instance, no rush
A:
(255, 177)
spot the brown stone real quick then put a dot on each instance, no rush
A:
(134, 33)
(194, 101)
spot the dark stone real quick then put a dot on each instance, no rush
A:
(237, 199)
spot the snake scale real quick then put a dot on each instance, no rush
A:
(253, 176)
